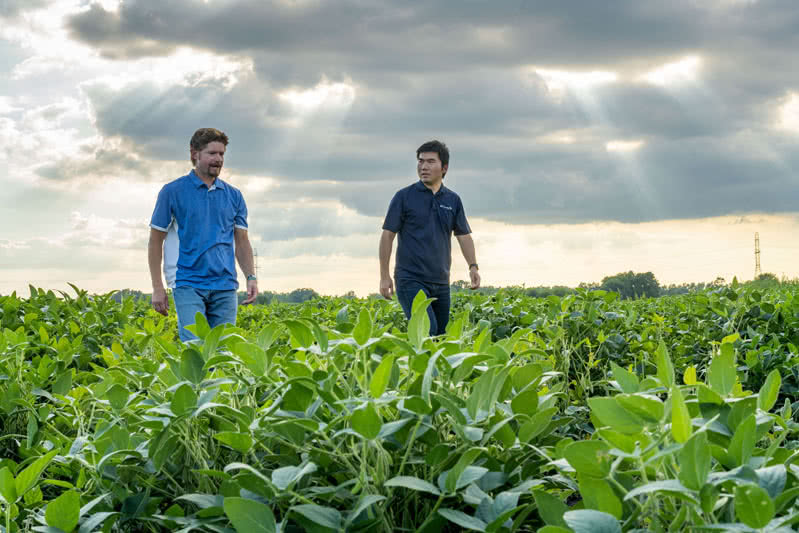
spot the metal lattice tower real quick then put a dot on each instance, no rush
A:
(256, 262)
(757, 255)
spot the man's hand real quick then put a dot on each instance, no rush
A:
(252, 292)
(474, 276)
(160, 301)
(387, 288)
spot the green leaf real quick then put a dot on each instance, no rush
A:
(598, 494)
(680, 417)
(366, 501)
(753, 506)
(647, 406)
(63, 512)
(665, 367)
(695, 461)
(200, 326)
(455, 473)
(300, 333)
(27, 479)
(211, 341)
(610, 413)
(536, 425)
(689, 376)
(767, 396)
(721, 374)
(523, 376)
(323, 516)
(253, 357)
(626, 379)
(550, 508)
(284, 477)
(419, 324)
(192, 365)
(249, 516)
(184, 400)
(241, 442)
(589, 457)
(268, 335)
(117, 396)
(670, 486)
(526, 402)
(743, 441)
(413, 483)
(427, 379)
(7, 487)
(366, 421)
(382, 376)
(363, 327)
(772, 479)
(589, 521)
(463, 520)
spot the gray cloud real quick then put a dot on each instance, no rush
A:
(461, 71)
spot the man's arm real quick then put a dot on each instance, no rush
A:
(467, 248)
(386, 244)
(155, 255)
(246, 262)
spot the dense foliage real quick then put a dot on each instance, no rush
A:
(581, 412)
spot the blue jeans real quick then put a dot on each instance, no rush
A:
(438, 312)
(218, 307)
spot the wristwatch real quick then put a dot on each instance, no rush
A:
(252, 277)
(475, 266)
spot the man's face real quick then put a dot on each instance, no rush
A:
(209, 160)
(429, 168)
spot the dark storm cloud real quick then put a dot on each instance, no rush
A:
(463, 71)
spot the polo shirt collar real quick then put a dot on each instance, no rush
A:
(197, 182)
(422, 187)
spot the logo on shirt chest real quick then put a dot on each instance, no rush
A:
(445, 207)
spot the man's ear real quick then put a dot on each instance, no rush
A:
(192, 156)
(444, 170)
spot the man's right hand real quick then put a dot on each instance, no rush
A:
(160, 301)
(387, 288)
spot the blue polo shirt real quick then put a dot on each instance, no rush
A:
(424, 223)
(204, 219)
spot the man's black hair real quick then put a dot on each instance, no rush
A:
(437, 147)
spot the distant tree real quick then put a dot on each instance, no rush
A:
(632, 285)
(767, 276)
(298, 296)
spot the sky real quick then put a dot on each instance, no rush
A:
(587, 138)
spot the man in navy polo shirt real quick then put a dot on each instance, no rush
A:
(206, 221)
(425, 215)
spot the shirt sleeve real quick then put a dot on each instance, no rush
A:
(394, 219)
(461, 224)
(240, 220)
(162, 214)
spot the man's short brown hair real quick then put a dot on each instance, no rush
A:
(203, 137)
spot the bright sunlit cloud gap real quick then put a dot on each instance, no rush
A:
(623, 146)
(324, 94)
(558, 81)
(686, 70)
(789, 113)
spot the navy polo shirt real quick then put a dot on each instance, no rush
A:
(205, 218)
(424, 223)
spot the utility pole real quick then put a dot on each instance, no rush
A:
(757, 255)
(256, 262)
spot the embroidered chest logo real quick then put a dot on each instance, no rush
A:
(445, 207)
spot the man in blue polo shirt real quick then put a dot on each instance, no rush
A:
(425, 215)
(204, 223)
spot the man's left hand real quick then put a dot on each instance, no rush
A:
(252, 292)
(474, 276)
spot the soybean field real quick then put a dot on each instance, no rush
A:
(581, 413)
